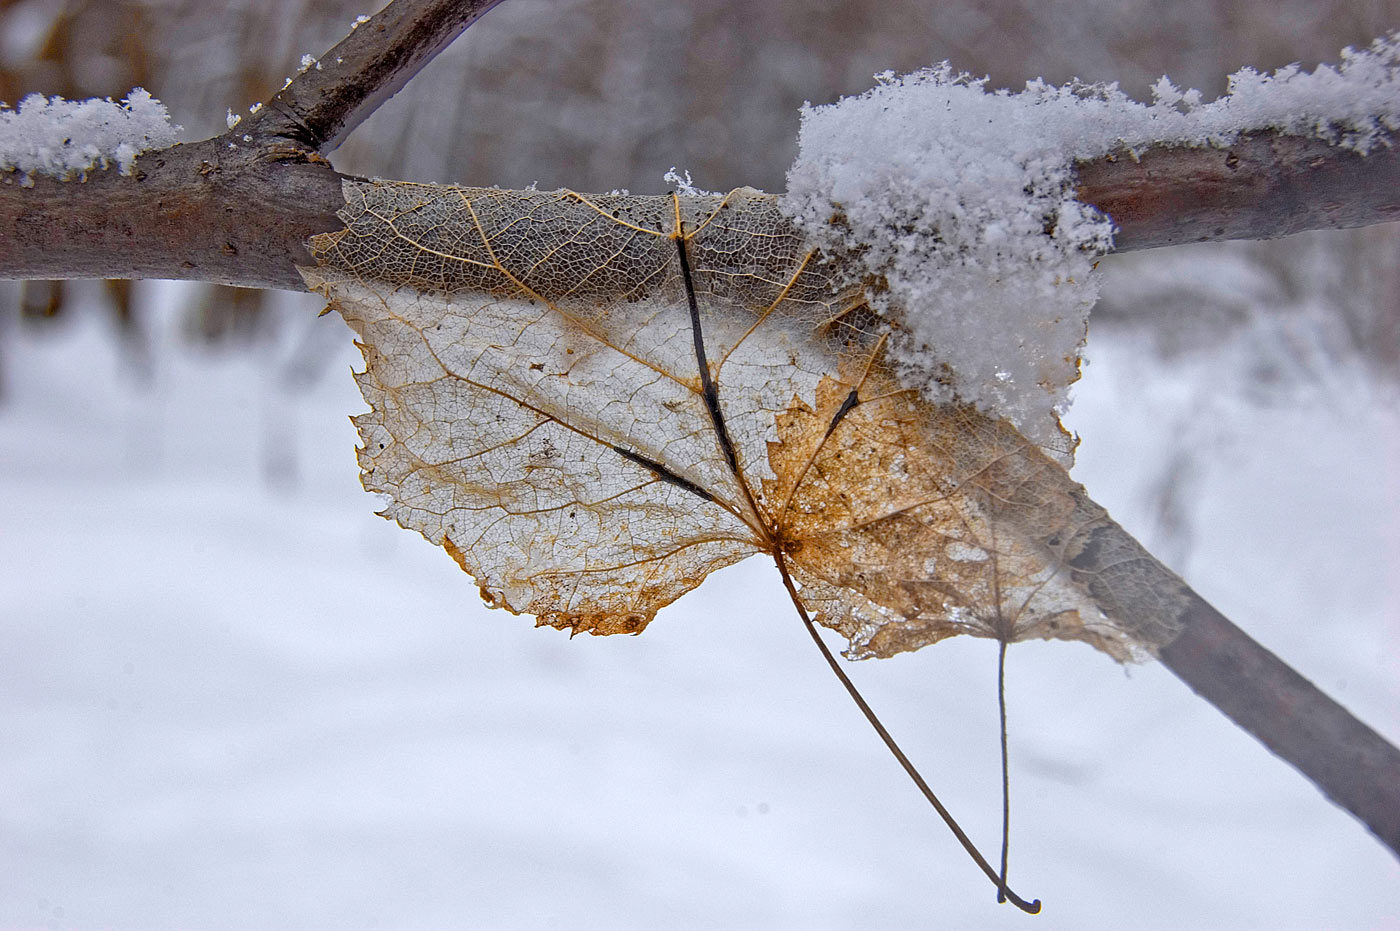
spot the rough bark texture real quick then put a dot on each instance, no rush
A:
(200, 211)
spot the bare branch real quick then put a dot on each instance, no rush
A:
(206, 211)
(1264, 186)
(237, 209)
(1352, 764)
(323, 104)
(1349, 762)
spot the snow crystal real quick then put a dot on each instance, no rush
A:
(683, 185)
(67, 138)
(961, 201)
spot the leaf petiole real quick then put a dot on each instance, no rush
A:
(1004, 893)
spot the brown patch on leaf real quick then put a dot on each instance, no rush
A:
(903, 524)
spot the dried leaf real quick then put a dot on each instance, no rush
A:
(533, 369)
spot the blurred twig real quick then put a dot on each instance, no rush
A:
(1349, 762)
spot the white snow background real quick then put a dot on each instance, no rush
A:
(232, 697)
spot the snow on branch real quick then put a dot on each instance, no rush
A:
(964, 205)
(67, 138)
(1265, 185)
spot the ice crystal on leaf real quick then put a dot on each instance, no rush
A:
(539, 409)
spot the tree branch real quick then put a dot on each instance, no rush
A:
(233, 212)
(236, 209)
(325, 102)
(198, 212)
(1263, 186)
(1353, 765)
(1349, 762)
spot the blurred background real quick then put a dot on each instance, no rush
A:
(231, 696)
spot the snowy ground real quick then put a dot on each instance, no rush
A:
(232, 697)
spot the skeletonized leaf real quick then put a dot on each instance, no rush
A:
(539, 409)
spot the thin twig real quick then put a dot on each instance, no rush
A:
(1005, 760)
(325, 102)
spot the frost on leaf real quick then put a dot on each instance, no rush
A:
(533, 369)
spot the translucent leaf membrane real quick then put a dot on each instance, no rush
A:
(538, 409)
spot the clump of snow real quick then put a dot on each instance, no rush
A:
(962, 202)
(947, 193)
(67, 138)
